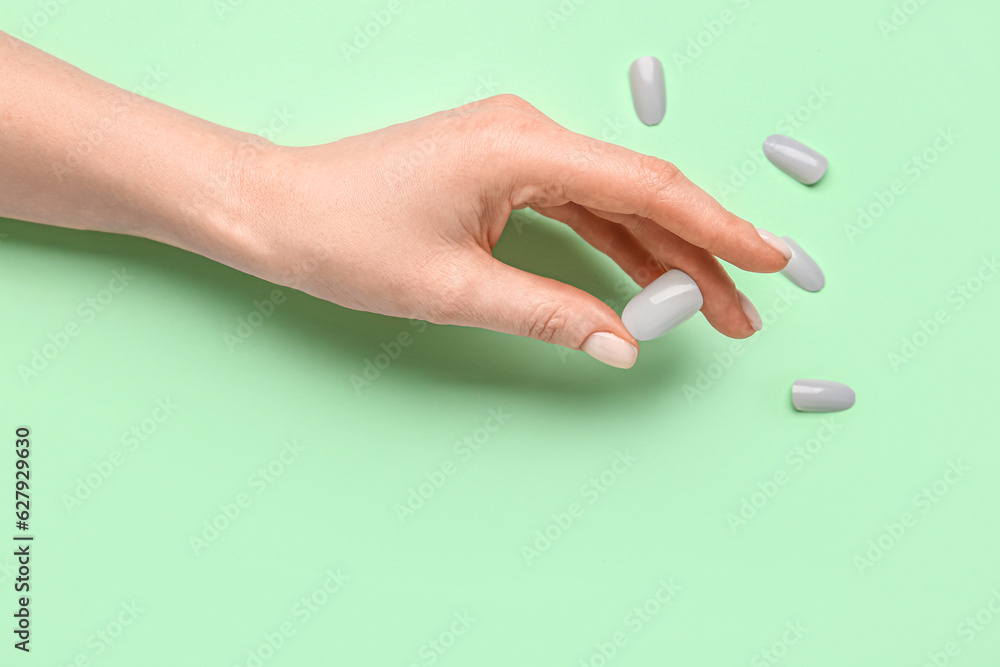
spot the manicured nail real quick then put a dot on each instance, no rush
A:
(776, 243)
(795, 158)
(802, 269)
(664, 303)
(610, 349)
(649, 92)
(751, 312)
(821, 396)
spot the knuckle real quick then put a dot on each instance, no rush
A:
(510, 119)
(503, 131)
(499, 105)
(656, 175)
(546, 321)
(509, 100)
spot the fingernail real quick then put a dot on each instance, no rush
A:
(649, 92)
(776, 243)
(795, 158)
(821, 396)
(663, 304)
(751, 312)
(610, 349)
(802, 269)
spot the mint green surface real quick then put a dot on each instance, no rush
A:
(707, 429)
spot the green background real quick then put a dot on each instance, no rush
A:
(668, 518)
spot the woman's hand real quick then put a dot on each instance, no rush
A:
(402, 221)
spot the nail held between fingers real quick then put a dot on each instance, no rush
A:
(668, 301)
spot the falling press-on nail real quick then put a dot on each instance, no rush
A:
(821, 396)
(663, 304)
(802, 269)
(649, 92)
(795, 158)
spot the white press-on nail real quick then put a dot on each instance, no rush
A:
(821, 396)
(649, 92)
(802, 269)
(663, 304)
(795, 158)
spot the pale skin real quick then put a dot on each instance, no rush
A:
(401, 221)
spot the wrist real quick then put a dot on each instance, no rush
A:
(220, 211)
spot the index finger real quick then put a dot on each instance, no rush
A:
(556, 165)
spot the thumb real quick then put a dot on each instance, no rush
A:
(513, 301)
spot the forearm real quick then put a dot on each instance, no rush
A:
(79, 152)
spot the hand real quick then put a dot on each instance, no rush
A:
(402, 221)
